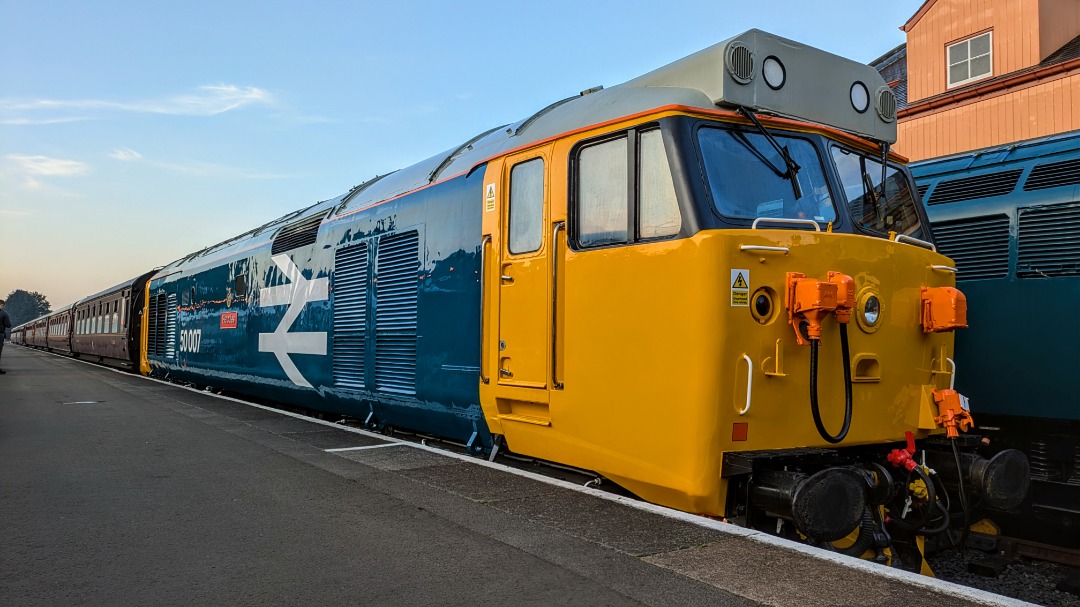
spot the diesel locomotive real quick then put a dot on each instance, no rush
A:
(713, 285)
(1010, 218)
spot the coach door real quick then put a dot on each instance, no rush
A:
(524, 281)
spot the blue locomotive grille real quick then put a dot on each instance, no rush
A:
(350, 315)
(1047, 241)
(300, 233)
(159, 316)
(976, 186)
(922, 190)
(1053, 175)
(152, 339)
(170, 326)
(395, 313)
(979, 246)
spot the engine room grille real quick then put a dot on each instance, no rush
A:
(979, 246)
(300, 233)
(170, 325)
(976, 186)
(1053, 175)
(1047, 241)
(396, 290)
(161, 313)
(922, 191)
(350, 315)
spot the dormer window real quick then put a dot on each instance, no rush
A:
(969, 60)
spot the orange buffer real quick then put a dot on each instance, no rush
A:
(951, 413)
(943, 309)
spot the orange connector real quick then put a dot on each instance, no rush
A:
(811, 300)
(845, 296)
(951, 413)
(943, 309)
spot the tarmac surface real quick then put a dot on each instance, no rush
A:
(120, 490)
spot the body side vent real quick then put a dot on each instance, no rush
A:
(1053, 175)
(979, 246)
(300, 233)
(155, 338)
(396, 287)
(976, 186)
(170, 326)
(1047, 241)
(350, 315)
(922, 191)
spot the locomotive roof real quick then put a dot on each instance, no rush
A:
(123, 285)
(817, 87)
(1017, 151)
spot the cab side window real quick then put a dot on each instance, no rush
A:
(624, 192)
(526, 206)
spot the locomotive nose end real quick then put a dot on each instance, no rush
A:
(829, 504)
(1003, 479)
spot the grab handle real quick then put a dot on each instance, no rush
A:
(555, 383)
(483, 302)
(749, 382)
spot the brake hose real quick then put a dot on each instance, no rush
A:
(963, 498)
(847, 388)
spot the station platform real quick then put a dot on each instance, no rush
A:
(117, 489)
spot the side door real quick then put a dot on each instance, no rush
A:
(524, 282)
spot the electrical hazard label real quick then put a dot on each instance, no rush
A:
(489, 198)
(740, 288)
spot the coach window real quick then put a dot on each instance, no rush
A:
(526, 206)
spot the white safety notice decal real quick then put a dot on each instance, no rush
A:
(740, 288)
(489, 197)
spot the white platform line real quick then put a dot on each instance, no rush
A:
(364, 447)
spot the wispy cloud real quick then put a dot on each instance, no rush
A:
(40, 121)
(14, 213)
(208, 100)
(209, 169)
(51, 167)
(125, 154)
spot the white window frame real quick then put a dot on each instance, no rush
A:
(948, 66)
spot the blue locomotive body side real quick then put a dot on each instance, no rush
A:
(1010, 218)
(359, 312)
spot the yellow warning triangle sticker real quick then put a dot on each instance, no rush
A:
(740, 282)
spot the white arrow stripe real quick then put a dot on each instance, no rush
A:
(296, 295)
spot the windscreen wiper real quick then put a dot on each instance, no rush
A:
(792, 166)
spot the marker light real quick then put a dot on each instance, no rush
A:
(871, 310)
(860, 97)
(773, 71)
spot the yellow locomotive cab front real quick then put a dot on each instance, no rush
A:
(733, 313)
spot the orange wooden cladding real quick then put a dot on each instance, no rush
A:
(1044, 109)
(989, 112)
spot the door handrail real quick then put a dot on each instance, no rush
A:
(555, 383)
(483, 303)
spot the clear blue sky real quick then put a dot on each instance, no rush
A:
(135, 132)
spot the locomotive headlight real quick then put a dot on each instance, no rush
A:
(869, 306)
(860, 97)
(773, 71)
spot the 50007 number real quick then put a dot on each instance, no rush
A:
(190, 339)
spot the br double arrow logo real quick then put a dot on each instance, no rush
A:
(297, 294)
